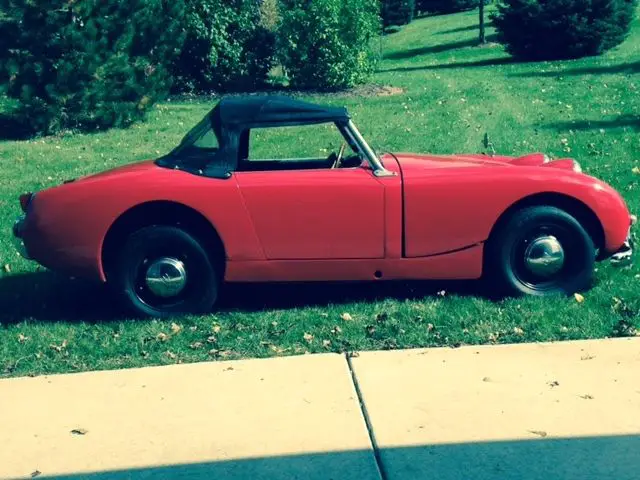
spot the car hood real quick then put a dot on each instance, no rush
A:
(419, 161)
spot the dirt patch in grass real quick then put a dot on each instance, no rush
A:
(369, 90)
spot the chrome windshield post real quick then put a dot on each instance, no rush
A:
(372, 158)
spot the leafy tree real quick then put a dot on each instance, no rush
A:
(327, 44)
(226, 48)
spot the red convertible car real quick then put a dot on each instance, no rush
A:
(165, 233)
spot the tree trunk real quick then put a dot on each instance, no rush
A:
(483, 38)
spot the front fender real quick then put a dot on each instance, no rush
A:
(447, 210)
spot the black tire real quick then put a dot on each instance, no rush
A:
(148, 245)
(506, 269)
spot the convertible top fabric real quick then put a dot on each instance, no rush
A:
(231, 119)
(269, 109)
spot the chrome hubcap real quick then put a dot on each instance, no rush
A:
(166, 277)
(544, 257)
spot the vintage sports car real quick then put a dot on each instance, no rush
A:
(165, 233)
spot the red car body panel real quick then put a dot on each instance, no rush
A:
(462, 198)
(429, 221)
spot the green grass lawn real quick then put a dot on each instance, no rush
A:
(453, 93)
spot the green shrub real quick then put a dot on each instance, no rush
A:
(446, 6)
(227, 47)
(327, 44)
(87, 64)
(558, 29)
(397, 12)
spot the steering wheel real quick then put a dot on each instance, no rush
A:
(336, 162)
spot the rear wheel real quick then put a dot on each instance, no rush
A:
(540, 251)
(163, 271)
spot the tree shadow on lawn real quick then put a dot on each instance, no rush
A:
(430, 49)
(628, 68)
(468, 28)
(632, 121)
(11, 128)
(50, 297)
(490, 62)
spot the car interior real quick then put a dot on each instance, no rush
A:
(346, 157)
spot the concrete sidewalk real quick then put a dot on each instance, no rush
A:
(568, 410)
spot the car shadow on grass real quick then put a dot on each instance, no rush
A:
(49, 297)
(255, 297)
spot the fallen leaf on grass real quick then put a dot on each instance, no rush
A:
(430, 327)
(195, 345)
(79, 431)
(162, 337)
(175, 328)
(308, 337)
(518, 331)
(326, 343)
(278, 350)
(346, 317)
(636, 170)
(59, 348)
(336, 330)
(212, 339)
(7, 268)
(170, 355)
(579, 298)
(22, 338)
(193, 328)
(216, 328)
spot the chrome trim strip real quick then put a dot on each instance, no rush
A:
(372, 158)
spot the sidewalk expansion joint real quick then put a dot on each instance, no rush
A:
(367, 419)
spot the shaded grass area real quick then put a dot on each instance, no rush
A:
(454, 93)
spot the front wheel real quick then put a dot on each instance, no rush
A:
(163, 271)
(540, 251)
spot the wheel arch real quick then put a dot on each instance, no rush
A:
(576, 208)
(163, 212)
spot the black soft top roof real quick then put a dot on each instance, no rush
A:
(243, 110)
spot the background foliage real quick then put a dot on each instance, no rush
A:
(327, 44)
(562, 29)
(397, 12)
(226, 47)
(90, 64)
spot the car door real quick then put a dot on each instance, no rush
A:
(314, 213)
